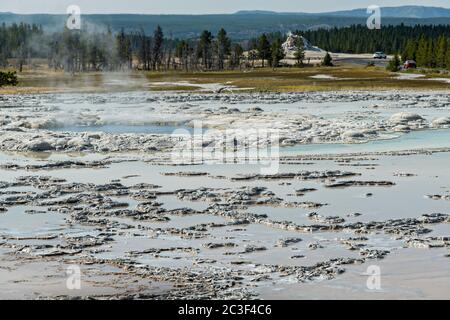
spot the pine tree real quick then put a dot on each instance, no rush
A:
(144, 50)
(277, 52)
(124, 52)
(158, 41)
(431, 54)
(299, 53)
(252, 51)
(236, 55)
(394, 64)
(223, 47)
(409, 53)
(447, 55)
(441, 52)
(264, 48)
(204, 49)
(327, 60)
(422, 52)
(183, 52)
(3, 58)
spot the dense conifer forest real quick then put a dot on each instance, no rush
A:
(80, 51)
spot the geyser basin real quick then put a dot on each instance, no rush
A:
(124, 128)
(438, 138)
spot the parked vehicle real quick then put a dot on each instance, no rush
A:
(379, 55)
(409, 64)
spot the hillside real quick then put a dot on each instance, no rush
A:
(421, 12)
(242, 25)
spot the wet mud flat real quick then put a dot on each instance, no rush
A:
(141, 227)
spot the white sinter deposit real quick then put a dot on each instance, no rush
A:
(44, 122)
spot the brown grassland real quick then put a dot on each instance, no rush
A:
(288, 79)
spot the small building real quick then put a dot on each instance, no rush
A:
(410, 64)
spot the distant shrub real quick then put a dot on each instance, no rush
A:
(394, 64)
(327, 60)
(8, 78)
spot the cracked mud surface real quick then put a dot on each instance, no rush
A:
(142, 227)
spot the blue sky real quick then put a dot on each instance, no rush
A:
(200, 6)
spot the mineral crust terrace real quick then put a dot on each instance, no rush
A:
(28, 123)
